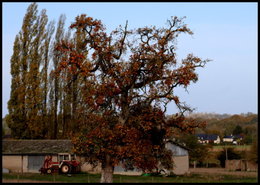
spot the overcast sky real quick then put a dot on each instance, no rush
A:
(226, 33)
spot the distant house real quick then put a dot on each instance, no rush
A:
(208, 138)
(24, 156)
(228, 139)
(238, 137)
(232, 139)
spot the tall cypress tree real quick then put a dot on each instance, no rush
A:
(18, 120)
(26, 107)
(15, 118)
(46, 52)
(34, 91)
(55, 85)
(65, 98)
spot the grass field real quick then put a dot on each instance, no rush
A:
(95, 178)
(237, 147)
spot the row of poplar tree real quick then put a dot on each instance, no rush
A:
(42, 104)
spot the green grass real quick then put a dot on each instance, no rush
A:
(95, 178)
(237, 147)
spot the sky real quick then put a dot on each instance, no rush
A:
(225, 33)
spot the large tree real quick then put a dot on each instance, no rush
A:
(129, 78)
(29, 68)
(20, 65)
(54, 81)
(34, 90)
(15, 119)
(46, 51)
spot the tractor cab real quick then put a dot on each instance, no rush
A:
(66, 157)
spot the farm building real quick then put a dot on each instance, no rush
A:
(180, 158)
(208, 138)
(24, 156)
(228, 139)
(28, 155)
(232, 139)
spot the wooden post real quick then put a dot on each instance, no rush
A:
(226, 154)
(22, 165)
(194, 164)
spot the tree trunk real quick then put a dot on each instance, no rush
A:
(55, 125)
(107, 171)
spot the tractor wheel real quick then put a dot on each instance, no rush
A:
(65, 168)
(49, 171)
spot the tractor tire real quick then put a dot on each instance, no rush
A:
(65, 169)
(49, 171)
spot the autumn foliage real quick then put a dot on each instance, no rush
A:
(129, 78)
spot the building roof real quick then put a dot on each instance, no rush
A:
(238, 136)
(207, 136)
(36, 146)
(228, 137)
(178, 144)
(12, 147)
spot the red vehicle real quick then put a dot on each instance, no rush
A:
(66, 164)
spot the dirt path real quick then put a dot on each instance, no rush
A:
(222, 171)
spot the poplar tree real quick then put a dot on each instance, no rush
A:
(34, 91)
(25, 36)
(15, 118)
(66, 98)
(54, 96)
(46, 52)
(26, 105)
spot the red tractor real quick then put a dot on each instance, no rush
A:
(66, 164)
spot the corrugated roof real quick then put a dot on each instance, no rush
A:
(36, 146)
(12, 147)
(178, 144)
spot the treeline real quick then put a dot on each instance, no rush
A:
(206, 115)
(42, 104)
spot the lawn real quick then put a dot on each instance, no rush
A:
(95, 178)
(237, 147)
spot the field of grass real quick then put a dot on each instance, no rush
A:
(237, 147)
(95, 178)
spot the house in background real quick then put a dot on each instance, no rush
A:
(25, 156)
(208, 138)
(238, 138)
(228, 139)
(234, 139)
